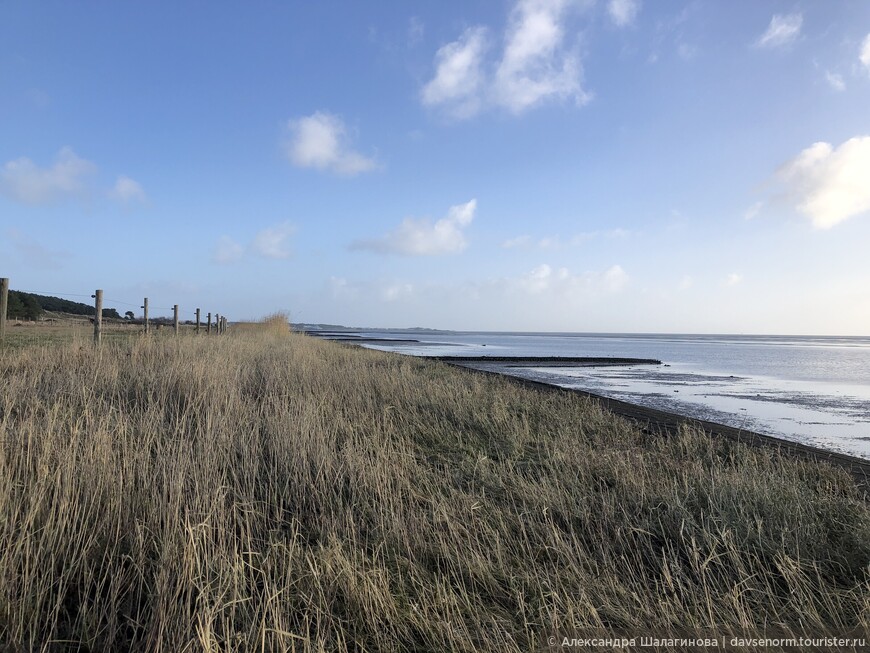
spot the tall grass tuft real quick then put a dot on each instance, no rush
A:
(268, 491)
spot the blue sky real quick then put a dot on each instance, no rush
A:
(554, 165)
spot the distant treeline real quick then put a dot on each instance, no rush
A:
(29, 306)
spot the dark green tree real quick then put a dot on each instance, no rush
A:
(23, 306)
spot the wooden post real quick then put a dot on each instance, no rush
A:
(217, 324)
(175, 318)
(208, 324)
(4, 304)
(197, 321)
(145, 308)
(98, 317)
(223, 325)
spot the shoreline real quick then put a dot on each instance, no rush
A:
(651, 420)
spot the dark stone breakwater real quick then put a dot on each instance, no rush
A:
(549, 361)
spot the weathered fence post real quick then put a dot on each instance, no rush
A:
(197, 321)
(217, 324)
(98, 317)
(208, 324)
(175, 318)
(4, 304)
(145, 308)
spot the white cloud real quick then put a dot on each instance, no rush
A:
(272, 242)
(535, 64)
(550, 242)
(397, 291)
(614, 279)
(830, 185)
(128, 190)
(459, 77)
(687, 52)
(227, 251)
(864, 57)
(545, 280)
(556, 242)
(519, 241)
(733, 279)
(421, 237)
(623, 12)
(369, 292)
(416, 29)
(782, 31)
(24, 181)
(320, 141)
(526, 242)
(752, 212)
(836, 81)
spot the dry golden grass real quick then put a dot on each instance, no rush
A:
(267, 491)
(78, 331)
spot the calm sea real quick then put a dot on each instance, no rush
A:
(811, 389)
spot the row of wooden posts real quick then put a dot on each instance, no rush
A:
(220, 321)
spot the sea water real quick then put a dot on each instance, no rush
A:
(811, 389)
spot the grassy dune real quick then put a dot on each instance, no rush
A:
(264, 491)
